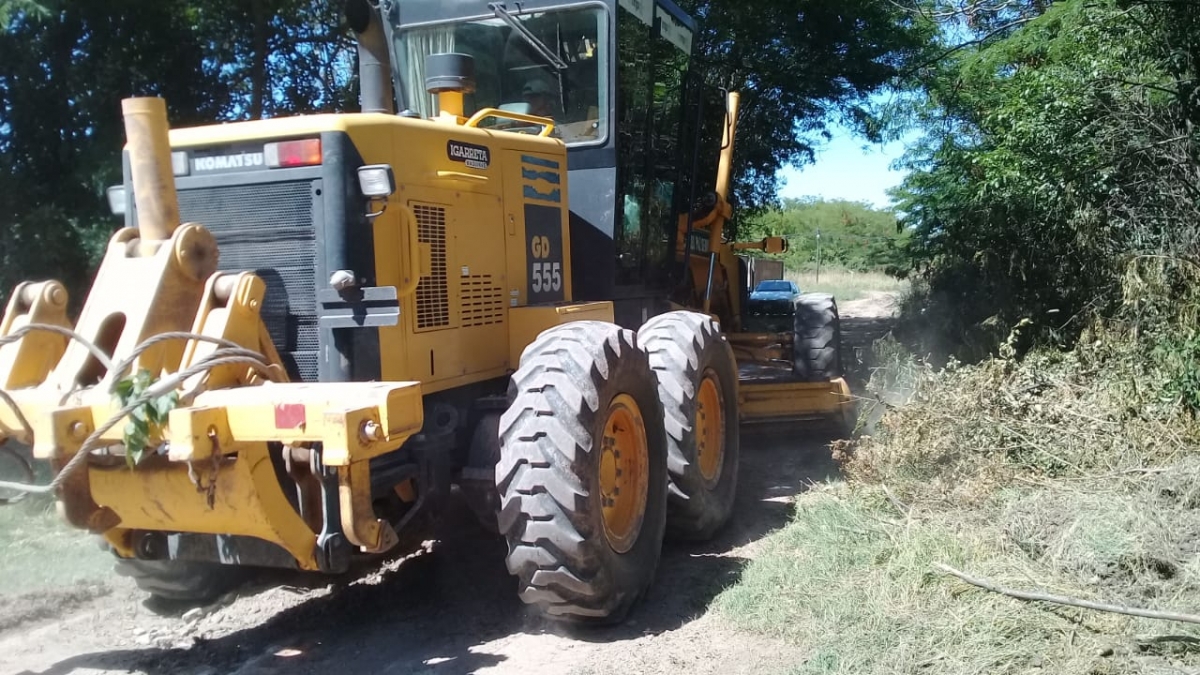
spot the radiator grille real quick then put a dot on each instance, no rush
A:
(433, 292)
(268, 229)
(482, 301)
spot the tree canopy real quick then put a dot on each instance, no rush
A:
(851, 235)
(800, 66)
(1061, 144)
(65, 65)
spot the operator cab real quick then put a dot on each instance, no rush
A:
(548, 64)
(614, 77)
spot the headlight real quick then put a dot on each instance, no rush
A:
(116, 199)
(376, 180)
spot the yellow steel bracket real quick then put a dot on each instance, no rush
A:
(295, 412)
(27, 362)
(354, 436)
(359, 523)
(193, 430)
(230, 310)
(354, 422)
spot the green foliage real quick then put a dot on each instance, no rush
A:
(146, 421)
(1180, 358)
(1055, 150)
(852, 235)
(800, 64)
(12, 8)
(1074, 471)
(65, 65)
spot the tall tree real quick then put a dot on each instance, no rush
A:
(800, 66)
(66, 64)
(1057, 148)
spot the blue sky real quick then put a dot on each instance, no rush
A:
(846, 167)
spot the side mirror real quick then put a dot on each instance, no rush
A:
(775, 245)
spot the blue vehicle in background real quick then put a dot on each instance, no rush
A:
(808, 320)
(775, 289)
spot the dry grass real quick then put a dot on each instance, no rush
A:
(39, 552)
(1067, 473)
(846, 284)
(852, 580)
(956, 434)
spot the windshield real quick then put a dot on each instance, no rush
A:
(772, 286)
(515, 73)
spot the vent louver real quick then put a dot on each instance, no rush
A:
(433, 294)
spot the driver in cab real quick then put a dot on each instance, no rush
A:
(539, 95)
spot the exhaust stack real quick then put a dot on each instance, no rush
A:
(449, 76)
(374, 64)
(150, 167)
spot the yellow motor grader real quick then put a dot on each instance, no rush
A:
(312, 328)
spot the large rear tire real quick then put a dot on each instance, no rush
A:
(181, 580)
(582, 473)
(697, 383)
(816, 338)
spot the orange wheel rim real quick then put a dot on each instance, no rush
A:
(710, 428)
(624, 473)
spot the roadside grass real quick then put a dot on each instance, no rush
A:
(39, 552)
(852, 580)
(1066, 474)
(845, 284)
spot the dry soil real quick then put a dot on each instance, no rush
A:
(449, 609)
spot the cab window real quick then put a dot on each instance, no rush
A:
(555, 68)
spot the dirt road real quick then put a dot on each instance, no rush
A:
(450, 610)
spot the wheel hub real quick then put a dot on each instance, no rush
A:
(624, 473)
(710, 428)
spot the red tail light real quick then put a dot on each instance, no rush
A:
(284, 154)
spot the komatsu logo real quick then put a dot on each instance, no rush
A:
(241, 160)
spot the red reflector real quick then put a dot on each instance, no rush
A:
(293, 153)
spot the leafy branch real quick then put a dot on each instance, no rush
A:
(146, 422)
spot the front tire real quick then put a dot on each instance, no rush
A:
(182, 581)
(697, 383)
(817, 338)
(582, 473)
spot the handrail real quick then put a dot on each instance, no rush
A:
(412, 275)
(460, 175)
(546, 123)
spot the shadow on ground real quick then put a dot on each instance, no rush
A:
(434, 612)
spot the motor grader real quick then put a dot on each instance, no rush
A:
(312, 330)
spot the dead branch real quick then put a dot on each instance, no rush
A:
(900, 506)
(1064, 600)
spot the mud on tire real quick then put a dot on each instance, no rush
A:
(687, 349)
(817, 338)
(554, 441)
